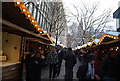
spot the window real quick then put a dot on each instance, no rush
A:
(41, 5)
(41, 21)
(38, 16)
(30, 7)
(34, 13)
(119, 22)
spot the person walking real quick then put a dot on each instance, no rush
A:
(86, 70)
(70, 61)
(52, 60)
(60, 52)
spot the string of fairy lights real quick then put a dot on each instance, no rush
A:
(99, 42)
(28, 15)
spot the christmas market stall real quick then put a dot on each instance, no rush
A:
(20, 31)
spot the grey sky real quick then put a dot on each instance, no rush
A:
(104, 4)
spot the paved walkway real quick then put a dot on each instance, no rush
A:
(45, 73)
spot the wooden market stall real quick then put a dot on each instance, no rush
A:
(108, 42)
(111, 41)
(17, 32)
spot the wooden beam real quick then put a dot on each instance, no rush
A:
(36, 40)
(114, 41)
(2, 21)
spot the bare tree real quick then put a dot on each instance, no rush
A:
(88, 18)
(58, 19)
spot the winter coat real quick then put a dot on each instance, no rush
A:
(82, 70)
(70, 59)
(60, 55)
(52, 58)
(29, 61)
(33, 67)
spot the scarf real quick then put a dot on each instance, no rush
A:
(90, 72)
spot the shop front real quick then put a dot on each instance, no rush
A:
(18, 35)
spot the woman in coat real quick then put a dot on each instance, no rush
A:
(52, 60)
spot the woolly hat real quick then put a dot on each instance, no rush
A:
(90, 57)
(69, 48)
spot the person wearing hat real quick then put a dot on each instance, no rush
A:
(37, 65)
(86, 70)
(70, 61)
(60, 52)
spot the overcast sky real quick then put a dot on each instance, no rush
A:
(104, 4)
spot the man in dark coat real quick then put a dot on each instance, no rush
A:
(33, 64)
(86, 69)
(28, 64)
(60, 52)
(70, 61)
(38, 63)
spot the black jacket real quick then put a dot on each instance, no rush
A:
(70, 59)
(61, 55)
(82, 70)
(28, 62)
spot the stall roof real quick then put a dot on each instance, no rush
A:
(96, 40)
(48, 36)
(15, 21)
(14, 29)
(13, 14)
(89, 43)
(93, 43)
(107, 38)
(113, 33)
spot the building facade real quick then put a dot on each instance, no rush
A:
(40, 11)
(116, 15)
(46, 13)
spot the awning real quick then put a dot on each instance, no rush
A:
(113, 43)
(48, 36)
(107, 37)
(14, 29)
(13, 14)
(116, 14)
(15, 21)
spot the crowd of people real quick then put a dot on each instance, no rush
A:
(93, 64)
(34, 63)
(99, 65)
